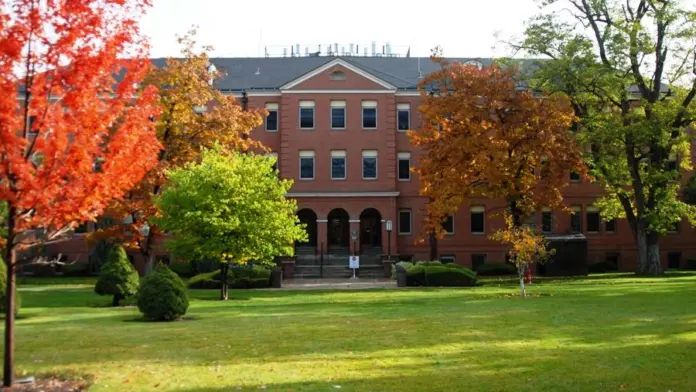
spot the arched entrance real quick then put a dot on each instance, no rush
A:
(309, 218)
(338, 233)
(370, 229)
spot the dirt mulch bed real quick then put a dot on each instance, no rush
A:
(50, 385)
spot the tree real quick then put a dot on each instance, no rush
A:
(62, 57)
(484, 137)
(628, 68)
(195, 115)
(527, 246)
(3, 290)
(229, 207)
(162, 295)
(117, 277)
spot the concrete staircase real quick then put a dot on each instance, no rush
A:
(309, 264)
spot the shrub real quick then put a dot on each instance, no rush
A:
(449, 275)
(602, 267)
(691, 264)
(238, 277)
(162, 295)
(183, 269)
(496, 269)
(3, 289)
(117, 277)
(415, 276)
(404, 264)
(75, 269)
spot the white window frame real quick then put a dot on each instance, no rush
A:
(370, 154)
(272, 107)
(338, 105)
(477, 210)
(339, 154)
(401, 107)
(399, 157)
(369, 105)
(306, 105)
(304, 154)
(410, 222)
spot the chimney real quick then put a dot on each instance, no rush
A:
(389, 52)
(352, 47)
(365, 50)
(245, 101)
(374, 48)
(297, 50)
(343, 50)
(306, 51)
(285, 52)
(336, 48)
(292, 51)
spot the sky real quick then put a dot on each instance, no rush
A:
(464, 28)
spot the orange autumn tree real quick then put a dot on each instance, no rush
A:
(194, 115)
(61, 110)
(483, 136)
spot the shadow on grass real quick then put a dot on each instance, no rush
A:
(141, 319)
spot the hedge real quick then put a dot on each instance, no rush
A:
(238, 277)
(496, 269)
(433, 274)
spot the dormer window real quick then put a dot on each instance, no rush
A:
(337, 75)
(475, 63)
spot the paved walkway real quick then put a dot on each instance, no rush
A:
(337, 284)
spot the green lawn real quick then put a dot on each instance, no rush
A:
(598, 334)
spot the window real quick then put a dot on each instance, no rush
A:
(307, 114)
(405, 222)
(274, 155)
(612, 261)
(404, 167)
(546, 220)
(447, 259)
(592, 217)
(369, 114)
(337, 75)
(338, 114)
(98, 165)
(477, 261)
(448, 224)
(272, 118)
(576, 219)
(163, 259)
(574, 176)
(338, 165)
(477, 219)
(32, 129)
(306, 165)
(369, 164)
(403, 116)
(82, 228)
(672, 162)
(610, 226)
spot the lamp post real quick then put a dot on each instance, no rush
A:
(389, 230)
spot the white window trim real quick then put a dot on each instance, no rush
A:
(478, 210)
(272, 107)
(369, 105)
(405, 156)
(304, 155)
(410, 222)
(403, 107)
(345, 117)
(299, 119)
(370, 155)
(339, 154)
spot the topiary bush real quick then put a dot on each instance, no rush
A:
(117, 277)
(496, 269)
(238, 277)
(162, 295)
(449, 276)
(3, 289)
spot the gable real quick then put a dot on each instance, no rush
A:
(338, 75)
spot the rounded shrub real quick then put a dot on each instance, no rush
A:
(117, 277)
(3, 289)
(162, 295)
(496, 269)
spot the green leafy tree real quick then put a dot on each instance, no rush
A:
(117, 277)
(162, 295)
(628, 68)
(3, 287)
(229, 207)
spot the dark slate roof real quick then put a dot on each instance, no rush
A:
(275, 72)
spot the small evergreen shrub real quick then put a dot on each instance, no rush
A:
(117, 277)
(238, 277)
(3, 289)
(162, 295)
(448, 276)
(496, 269)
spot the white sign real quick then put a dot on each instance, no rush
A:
(354, 262)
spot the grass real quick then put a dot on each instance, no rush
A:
(606, 333)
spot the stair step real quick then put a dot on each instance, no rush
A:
(314, 272)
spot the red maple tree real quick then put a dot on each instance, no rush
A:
(75, 129)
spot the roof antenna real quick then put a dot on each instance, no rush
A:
(420, 73)
(258, 71)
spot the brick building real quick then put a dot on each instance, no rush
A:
(338, 127)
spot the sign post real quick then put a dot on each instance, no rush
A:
(354, 264)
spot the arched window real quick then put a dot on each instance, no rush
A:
(337, 75)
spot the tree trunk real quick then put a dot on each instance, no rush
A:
(10, 261)
(520, 272)
(116, 300)
(149, 262)
(648, 262)
(223, 281)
